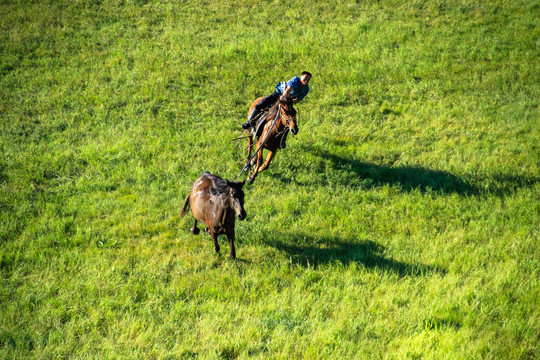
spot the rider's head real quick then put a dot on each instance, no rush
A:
(305, 77)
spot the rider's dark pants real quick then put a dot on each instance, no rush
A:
(264, 104)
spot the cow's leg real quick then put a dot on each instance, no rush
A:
(216, 245)
(269, 158)
(195, 230)
(230, 236)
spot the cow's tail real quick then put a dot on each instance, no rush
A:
(186, 206)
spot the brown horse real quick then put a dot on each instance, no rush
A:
(216, 203)
(272, 134)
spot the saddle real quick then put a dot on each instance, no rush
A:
(260, 120)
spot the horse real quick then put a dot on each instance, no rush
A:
(272, 135)
(216, 203)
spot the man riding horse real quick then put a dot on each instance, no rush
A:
(297, 88)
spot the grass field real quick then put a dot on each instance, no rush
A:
(402, 222)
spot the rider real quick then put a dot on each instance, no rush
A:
(297, 88)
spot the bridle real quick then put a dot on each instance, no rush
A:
(288, 119)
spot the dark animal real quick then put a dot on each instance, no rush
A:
(216, 203)
(271, 137)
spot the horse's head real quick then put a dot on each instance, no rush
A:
(288, 114)
(236, 198)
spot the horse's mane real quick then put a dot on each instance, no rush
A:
(219, 186)
(272, 112)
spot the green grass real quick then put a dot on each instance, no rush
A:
(401, 223)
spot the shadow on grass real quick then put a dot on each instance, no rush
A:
(315, 252)
(352, 172)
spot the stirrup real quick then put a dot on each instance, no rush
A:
(252, 120)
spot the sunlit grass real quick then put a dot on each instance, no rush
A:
(401, 222)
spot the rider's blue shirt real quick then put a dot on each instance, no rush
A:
(298, 90)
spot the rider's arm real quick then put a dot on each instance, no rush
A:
(287, 90)
(292, 84)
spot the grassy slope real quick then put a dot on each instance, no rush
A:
(402, 222)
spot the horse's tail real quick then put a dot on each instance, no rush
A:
(186, 206)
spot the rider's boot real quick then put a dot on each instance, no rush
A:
(251, 121)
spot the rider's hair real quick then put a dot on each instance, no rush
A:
(306, 73)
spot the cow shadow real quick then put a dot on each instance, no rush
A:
(311, 252)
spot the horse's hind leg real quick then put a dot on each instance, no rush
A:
(250, 145)
(257, 166)
(216, 245)
(195, 230)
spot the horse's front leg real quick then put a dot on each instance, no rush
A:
(269, 158)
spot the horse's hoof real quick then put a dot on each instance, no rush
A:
(195, 230)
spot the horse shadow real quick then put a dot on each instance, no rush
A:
(352, 172)
(311, 252)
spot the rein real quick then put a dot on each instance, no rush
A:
(245, 168)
